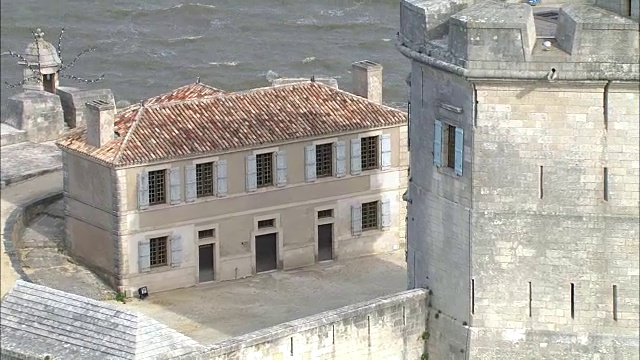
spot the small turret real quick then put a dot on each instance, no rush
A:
(40, 71)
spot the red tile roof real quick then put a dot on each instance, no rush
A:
(197, 119)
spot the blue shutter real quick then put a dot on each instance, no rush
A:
(190, 183)
(221, 176)
(251, 173)
(385, 210)
(356, 220)
(385, 152)
(310, 163)
(143, 190)
(437, 144)
(356, 160)
(281, 168)
(174, 183)
(144, 261)
(176, 251)
(459, 150)
(341, 158)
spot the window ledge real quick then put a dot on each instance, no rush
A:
(445, 170)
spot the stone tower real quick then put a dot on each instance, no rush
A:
(523, 216)
(40, 71)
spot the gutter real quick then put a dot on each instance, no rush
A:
(508, 74)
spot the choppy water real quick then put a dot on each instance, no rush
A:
(148, 47)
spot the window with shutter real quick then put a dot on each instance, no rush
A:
(190, 183)
(204, 179)
(310, 163)
(158, 251)
(356, 159)
(176, 189)
(356, 220)
(459, 150)
(281, 168)
(157, 187)
(369, 153)
(385, 151)
(221, 178)
(437, 144)
(369, 216)
(144, 264)
(251, 184)
(143, 190)
(341, 159)
(324, 160)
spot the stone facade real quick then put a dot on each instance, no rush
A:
(523, 197)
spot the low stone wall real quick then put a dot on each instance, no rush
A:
(388, 328)
(17, 221)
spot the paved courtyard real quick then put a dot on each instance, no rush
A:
(211, 313)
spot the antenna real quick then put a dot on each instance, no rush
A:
(198, 80)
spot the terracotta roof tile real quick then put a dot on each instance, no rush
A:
(191, 121)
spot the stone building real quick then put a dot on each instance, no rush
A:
(44, 110)
(201, 185)
(523, 216)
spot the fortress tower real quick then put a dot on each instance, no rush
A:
(523, 218)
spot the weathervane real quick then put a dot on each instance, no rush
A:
(59, 66)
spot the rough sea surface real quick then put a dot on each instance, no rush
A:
(149, 47)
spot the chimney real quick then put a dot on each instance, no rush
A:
(367, 80)
(100, 122)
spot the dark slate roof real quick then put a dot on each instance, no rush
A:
(36, 321)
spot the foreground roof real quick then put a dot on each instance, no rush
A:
(36, 321)
(198, 119)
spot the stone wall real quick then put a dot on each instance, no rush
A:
(390, 327)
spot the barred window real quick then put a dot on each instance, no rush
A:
(264, 170)
(324, 160)
(451, 146)
(205, 234)
(158, 251)
(369, 152)
(204, 179)
(370, 216)
(323, 214)
(157, 187)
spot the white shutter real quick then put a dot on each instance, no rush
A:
(385, 211)
(356, 162)
(143, 190)
(341, 158)
(385, 151)
(437, 144)
(459, 151)
(310, 163)
(176, 251)
(176, 190)
(221, 178)
(281, 168)
(144, 261)
(251, 173)
(190, 183)
(356, 220)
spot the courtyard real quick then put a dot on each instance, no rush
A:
(215, 312)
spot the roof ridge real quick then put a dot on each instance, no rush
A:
(132, 128)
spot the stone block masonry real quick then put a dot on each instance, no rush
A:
(389, 328)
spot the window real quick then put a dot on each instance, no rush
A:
(323, 214)
(204, 179)
(370, 216)
(369, 152)
(266, 223)
(451, 146)
(157, 187)
(205, 234)
(158, 251)
(324, 160)
(264, 170)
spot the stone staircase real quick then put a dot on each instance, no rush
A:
(10, 135)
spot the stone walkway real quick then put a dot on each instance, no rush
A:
(44, 261)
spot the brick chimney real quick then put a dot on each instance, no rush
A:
(367, 80)
(100, 122)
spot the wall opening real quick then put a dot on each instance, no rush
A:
(605, 106)
(333, 334)
(291, 347)
(404, 315)
(530, 298)
(615, 302)
(473, 296)
(629, 8)
(573, 302)
(605, 184)
(540, 182)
